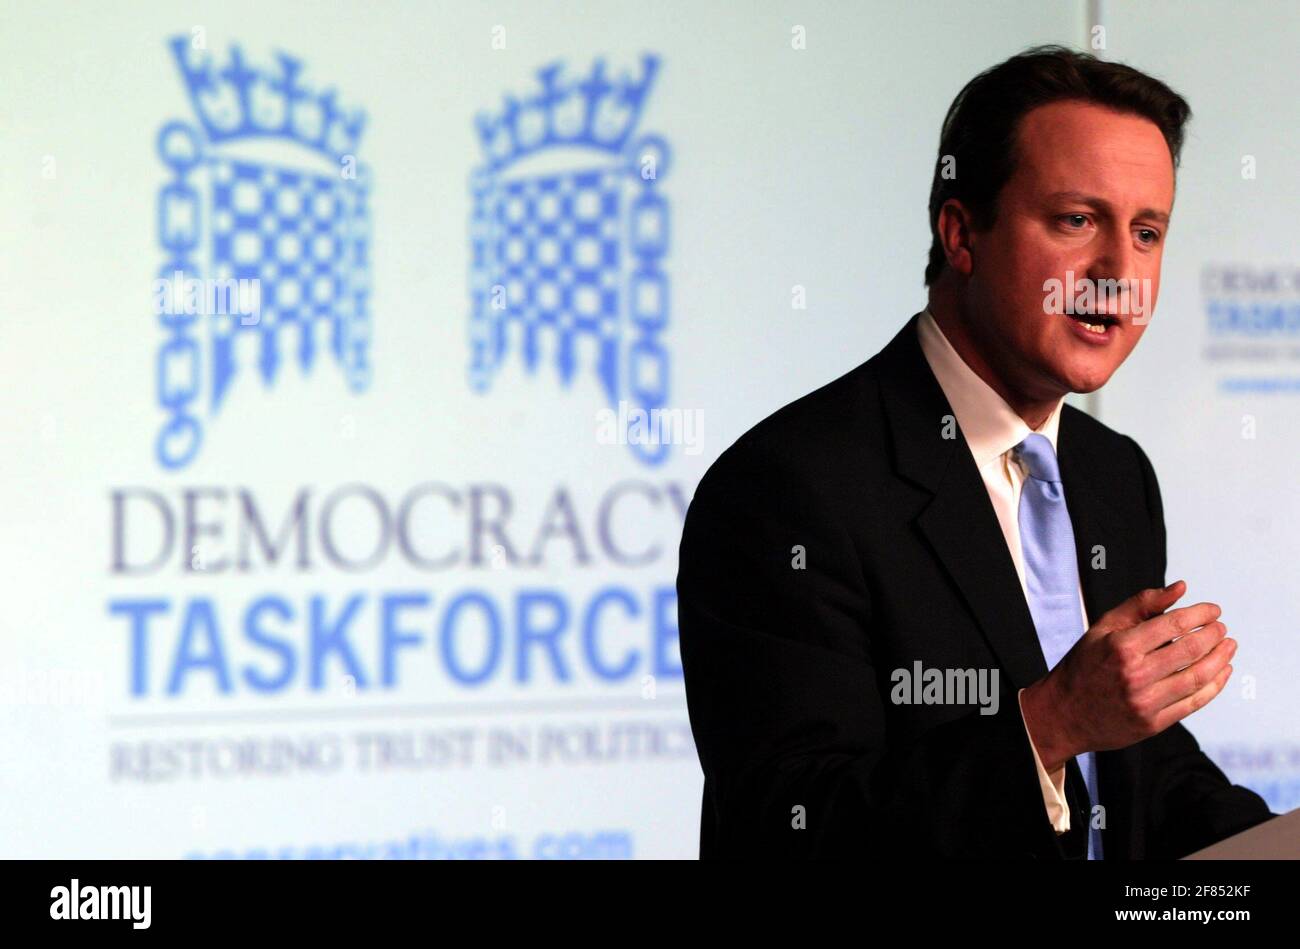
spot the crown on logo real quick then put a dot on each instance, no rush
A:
(592, 112)
(240, 102)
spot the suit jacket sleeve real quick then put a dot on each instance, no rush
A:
(1052, 785)
(1192, 802)
(787, 693)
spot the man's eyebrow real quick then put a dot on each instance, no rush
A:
(1104, 205)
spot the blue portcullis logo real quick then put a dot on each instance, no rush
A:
(298, 232)
(577, 252)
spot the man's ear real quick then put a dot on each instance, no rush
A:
(954, 233)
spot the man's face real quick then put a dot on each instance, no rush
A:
(1091, 195)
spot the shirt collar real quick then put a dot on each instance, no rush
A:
(991, 427)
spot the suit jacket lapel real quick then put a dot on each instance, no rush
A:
(959, 522)
(1098, 530)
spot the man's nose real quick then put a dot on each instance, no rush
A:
(1116, 256)
(1116, 259)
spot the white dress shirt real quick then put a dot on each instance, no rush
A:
(992, 428)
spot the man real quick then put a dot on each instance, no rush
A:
(937, 516)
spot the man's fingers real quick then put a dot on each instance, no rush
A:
(1197, 700)
(1155, 635)
(1138, 608)
(1153, 638)
(1178, 685)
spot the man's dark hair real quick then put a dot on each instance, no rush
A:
(979, 132)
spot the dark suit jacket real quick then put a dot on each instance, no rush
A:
(788, 671)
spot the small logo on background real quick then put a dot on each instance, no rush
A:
(1253, 325)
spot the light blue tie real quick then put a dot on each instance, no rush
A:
(1052, 576)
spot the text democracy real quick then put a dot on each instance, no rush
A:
(431, 526)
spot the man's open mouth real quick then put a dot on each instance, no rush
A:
(1094, 322)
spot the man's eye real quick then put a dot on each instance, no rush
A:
(1082, 219)
(1154, 238)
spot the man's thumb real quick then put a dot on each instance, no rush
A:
(1138, 608)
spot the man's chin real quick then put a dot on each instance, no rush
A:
(1084, 382)
(1084, 388)
(1080, 376)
